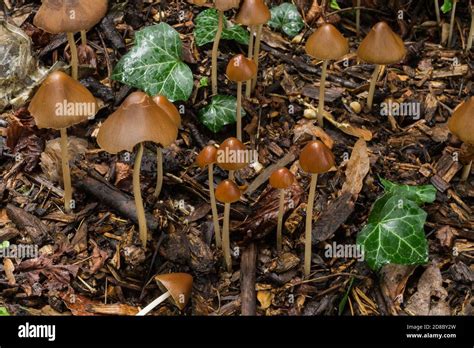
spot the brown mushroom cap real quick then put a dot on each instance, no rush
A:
(316, 158)
(327, 43)
(138, 119)
(179, 286)
(69, 16)
(381, 46)
(207, 156)
(232, 154)
(61, 102)
(241, 69)
(225, 5)
(253, 12)
(282, 178)
(461, 123)
(227, 192)
(169, 108)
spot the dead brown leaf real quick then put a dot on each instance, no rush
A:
(357, 168)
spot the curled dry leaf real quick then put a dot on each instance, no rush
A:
(306, 130)
(98, 258)
(446, 235)
(357, 168)
(349, 129)
(265, 298)
(393, 280)
(8, 267)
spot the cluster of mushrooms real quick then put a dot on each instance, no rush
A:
(142, 118)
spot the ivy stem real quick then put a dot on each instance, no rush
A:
(451, 25)
(248, 86)
(309, 224)
(466, 172)
(159, 171)
(74, 58)
(66, 171)
(322, 88)
(215, 52)
(373, 83)
(226, 238)
(138, 196)
(280, 220)
(212, 195)
(256, 55)
(238, 115)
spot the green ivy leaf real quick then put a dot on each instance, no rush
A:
(219, 113)
(206, 29)
(286, 17)
(334, 5)
(418, 194)
(5, 244)
(4, 312)
(154, 64)
(447, 6)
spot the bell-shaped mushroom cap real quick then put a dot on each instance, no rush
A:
(327, 43)
(253, 12)
(61, 102)
(138, 119)
(461, 123)
(381, 46)
(179, 286)
(241, 69)
(282, 178)
(69, 16)
(232, 155)
(316, 158)
(207, 156)
(225, 5)
(227, 192)
(169, 108)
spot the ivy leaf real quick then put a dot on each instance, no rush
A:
(394, 233)
(418, 194)
(5, 244)
(206, 29)
(4, 312)
(219, 113)
(447, 6)
(334, 5)
(286, 17)
(154, 64)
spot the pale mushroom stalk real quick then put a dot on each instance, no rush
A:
(248, 84)
(138, 196)
(74, 58)
(256, 54)
(212, 196)
(322, 87)
(84, 37)
(226, 238)
(309, 224)
(358, 18)
(159, 171)
(471, 32)
(153, 304)
(373, 83)
(451, 24)
(66, 171)
(215, 52)
(438, 15)
(280, 220)
(239, 110)
(466, 172)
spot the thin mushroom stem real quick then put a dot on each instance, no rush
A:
(138, 196)
(226, 238)
(248, 86)
(153, 304)
(280, 220)
(438, 15)
(451, 25)
(74, 58)
(373, 82)
(231, 175)
(212, 196)
(66, 171)
(159, 172)
(322, 88)
(215, 52)
(471, 32)
(256, 54)
(466, 172)
(358, 19)
(83, 37)
(309, 225)
(238, 115)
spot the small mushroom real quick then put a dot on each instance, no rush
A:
(451, 24)
(227, 192)
(326, 43)
(461, 124)
(254, 14)
(315, 158)
(221, 6)
(137, 120)
(240, 69)
(281, 179)
(381, 46)
(173, 113)
(232, 156)
(176, 286)
(207, 157)
(70, 16)
(59, 103)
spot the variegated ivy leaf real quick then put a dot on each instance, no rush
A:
(286, 17)
(219, 113)
(154, 64)
(206, 29)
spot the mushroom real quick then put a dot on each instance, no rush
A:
(438, 14)
(227, 192)
(177, 286)
(451, 24)
(461, 124)
(315, 158)
(70, 16)
(325, 44)
(172, 112)
(240, 69)
(232, 156)
(221, 6)
(358, 18)
(59, 103)
(137, 120)
(281, 179)
(254, 14)
(207, 157)
(381, 46)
